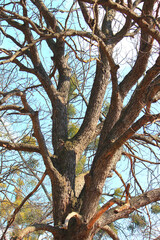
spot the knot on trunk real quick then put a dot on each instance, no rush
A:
(73, 219)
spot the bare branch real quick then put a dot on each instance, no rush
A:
(103, 209)
(19, 146)
(37, 227)
(21, 51)
(135, 203)
(123, 9)
(110, 232)
(153, 140)
(25, 19)
(86, 15)
(48, 16)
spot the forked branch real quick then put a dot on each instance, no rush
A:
(103, 209)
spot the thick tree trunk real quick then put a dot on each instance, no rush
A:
(75, 231)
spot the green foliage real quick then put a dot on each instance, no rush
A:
(15, 169)
(138, 221)
(73, 86)
(72, 129)
(33, 163)
(71, 110)
(29, 140)
(20, 182)
(80, 165)
(27, 215)
(155, 208)
(3, 185)
(105, 107)
(118, 192)
(5, 209)
(113, 228)
(93, 145)
(31, 183)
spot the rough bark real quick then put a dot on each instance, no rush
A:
(70, 195)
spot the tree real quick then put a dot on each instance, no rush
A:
(80, 87)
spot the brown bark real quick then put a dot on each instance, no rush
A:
(121, 123)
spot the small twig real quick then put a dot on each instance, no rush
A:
(95, 12)
(127, 204)
(129, 156)
(76, 55)
(120, 176)
(22, 50)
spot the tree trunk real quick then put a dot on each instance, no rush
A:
(76, 231)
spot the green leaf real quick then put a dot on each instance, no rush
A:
(105, 107)
(71, 111)
(138, 220)
(80, 165)
(3, 185)
(93, 145)
(20, 182)
(33, 163)
(118, 192)
(29, 140)
(155, 208)
(72, 129)
(73, 86)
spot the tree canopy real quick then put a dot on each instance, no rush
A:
(80, 119)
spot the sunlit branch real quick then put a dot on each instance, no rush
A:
(107, 150)
(103, 209)
(135, 203)
(19, 146)
(110, 232)
(38, 227)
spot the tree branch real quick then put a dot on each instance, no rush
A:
(110, 232)
(142, 57)
(103, 209)
(152, 139)
(135, 203)
(25, 19)
(48, 15)
(19, 146)
(38, 227)
(123, 9)
(105, 66)
(89, 20)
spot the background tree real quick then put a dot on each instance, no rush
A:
(80, 89)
